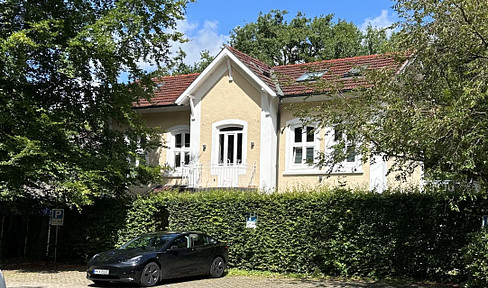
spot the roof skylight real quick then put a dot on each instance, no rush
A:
(311, 75)
(355, 71)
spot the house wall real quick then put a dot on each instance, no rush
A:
(163, 121)
(226, 100)
(403, 182)
(351, 180)
(287, 182)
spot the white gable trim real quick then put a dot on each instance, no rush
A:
(224, 55)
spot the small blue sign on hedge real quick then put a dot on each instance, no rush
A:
(251, 221)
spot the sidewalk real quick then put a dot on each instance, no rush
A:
(74, 277)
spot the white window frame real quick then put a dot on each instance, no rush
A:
(235, 147)
(172, 150)
(139, 153)
(216, 127)
(292, 168)
(345, 167)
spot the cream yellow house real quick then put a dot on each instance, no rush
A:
(229, 126)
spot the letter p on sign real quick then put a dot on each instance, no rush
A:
(57, 217)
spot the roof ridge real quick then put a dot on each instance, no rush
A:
(335, 60)
(232, 49)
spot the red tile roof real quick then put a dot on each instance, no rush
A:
(261, 69)
(335, 71)
(170, 88)
(173, 86)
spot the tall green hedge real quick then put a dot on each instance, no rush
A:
(338, 232)
(341, 232)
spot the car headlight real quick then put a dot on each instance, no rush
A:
(132, 260)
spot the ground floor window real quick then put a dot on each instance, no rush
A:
(229, 142)
(302, 147)
(230, 145)
(178, 151)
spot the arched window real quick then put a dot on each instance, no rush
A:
(229, 138)
(230, 145)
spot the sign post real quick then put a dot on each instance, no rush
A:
(57, 219)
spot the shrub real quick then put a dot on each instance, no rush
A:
(340, 232)
(476, 260)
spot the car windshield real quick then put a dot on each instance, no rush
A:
(148, 242)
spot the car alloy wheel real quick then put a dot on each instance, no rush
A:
(217, 267)
(150, 275)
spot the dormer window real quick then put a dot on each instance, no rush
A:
(311, 76)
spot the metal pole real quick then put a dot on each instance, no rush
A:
(1, 235)
(26, 236)
(48, 237)
(56, 244)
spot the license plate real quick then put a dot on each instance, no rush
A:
(100, 271)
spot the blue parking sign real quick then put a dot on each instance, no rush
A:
(57, 217)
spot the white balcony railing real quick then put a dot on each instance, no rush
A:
(219, 175)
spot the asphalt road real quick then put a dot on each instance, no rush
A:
(73, 277)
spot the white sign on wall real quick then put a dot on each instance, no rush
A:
(251, 221)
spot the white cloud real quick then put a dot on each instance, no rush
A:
(383, 21)
(200, 38)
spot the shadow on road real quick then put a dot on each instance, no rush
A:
(40, 266)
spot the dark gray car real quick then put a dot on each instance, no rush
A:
(160, 255)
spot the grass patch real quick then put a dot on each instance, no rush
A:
(320, 277)
(268, 274)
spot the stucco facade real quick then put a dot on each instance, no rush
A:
(311, 178)
(232, 126)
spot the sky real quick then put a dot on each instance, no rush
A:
(208, 22)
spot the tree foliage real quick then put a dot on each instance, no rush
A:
(61, 103)
(276, 41)
(177, 65)
(434, 111)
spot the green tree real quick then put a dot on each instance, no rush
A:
(435, 110)
(265, 38)
(375, 41)
(177, 65)
(275, 41)
(67, 126)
